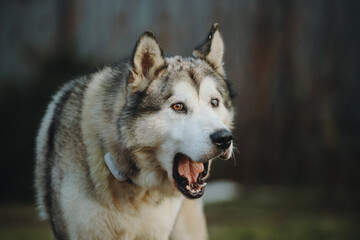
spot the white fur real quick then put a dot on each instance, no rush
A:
(92, 220)
(190, 133)
(41, 141)
(94, 204)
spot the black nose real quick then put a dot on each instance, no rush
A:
(222, 138)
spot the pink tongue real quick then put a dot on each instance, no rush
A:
(189, 169)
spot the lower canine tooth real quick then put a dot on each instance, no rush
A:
(202, 185)
(187, 187)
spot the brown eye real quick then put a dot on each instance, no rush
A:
(178, 107)
(215, 102)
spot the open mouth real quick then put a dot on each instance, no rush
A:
(189, 176)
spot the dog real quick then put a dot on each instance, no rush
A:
(124, 153)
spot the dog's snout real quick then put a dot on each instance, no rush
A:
(222, 138)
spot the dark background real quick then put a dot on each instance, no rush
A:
(294, 66)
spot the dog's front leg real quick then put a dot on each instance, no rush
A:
(191, 223)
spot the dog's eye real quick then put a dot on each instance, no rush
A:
(178, 107)
(214, 102)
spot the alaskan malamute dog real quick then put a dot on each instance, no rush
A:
(119, 149)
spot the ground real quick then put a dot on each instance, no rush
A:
(260, 213)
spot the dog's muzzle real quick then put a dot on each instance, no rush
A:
(189, 175)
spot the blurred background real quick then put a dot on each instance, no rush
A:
(294, 66)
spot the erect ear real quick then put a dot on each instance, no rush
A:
(212, 50)
(147, 60)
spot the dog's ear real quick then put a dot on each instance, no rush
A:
(147, 60)
(212, 50)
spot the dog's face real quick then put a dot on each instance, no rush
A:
(195, 120)
(182, 112)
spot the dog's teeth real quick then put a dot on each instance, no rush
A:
(187, 187)
(202, 185)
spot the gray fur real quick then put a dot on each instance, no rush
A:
(107, 111)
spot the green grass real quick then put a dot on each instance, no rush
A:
(259, 214)
(268, 214)
(20, 222)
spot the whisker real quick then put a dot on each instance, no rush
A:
(235, 149)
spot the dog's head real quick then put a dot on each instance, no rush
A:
(178, 114)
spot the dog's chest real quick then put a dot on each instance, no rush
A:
(153, 220)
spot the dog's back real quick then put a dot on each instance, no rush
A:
(60, 133)
(66, 191)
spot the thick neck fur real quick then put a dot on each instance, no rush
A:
(101, 118)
